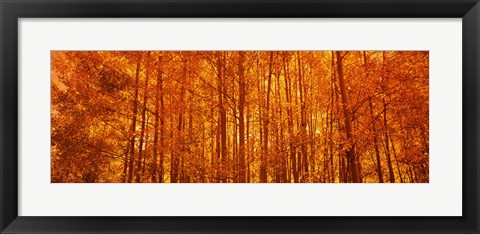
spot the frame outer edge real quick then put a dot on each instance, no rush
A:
(476, 161)
(2, 181)
(3, 220)
(8, 115)
(9, 122)
(471, 112)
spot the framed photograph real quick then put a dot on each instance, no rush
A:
(226, 116)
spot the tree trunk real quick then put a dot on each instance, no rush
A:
(142, 130)
(350, 148)
(248, 152)
(145, 151)
(374, 129)
(158, 113)
(125, 163)
(173, 156)
(241, 110)
(385, 125)
(396, 160)
(133, 126)
(375, 144)
(303, 159)
(263, 166)
(223, 116)
(288, 95)
(161, 171)
(330, 132)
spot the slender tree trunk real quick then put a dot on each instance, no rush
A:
(145, 151)
(248, 146)
(241, 110)
(303, 159)
(173, 156)
(125, 163)
(373, 129)
(396, 160)
(330, 132)
(375, 143)
(218, 153)
(223, 116)
(158, 121)
(282, 148)
(350, 148)
(411, 174)
(288, 95)
(133, 126)
(155, 127)
(142, 130)
(178, 160)
(263, 167)
(385, 125)
(340, 152)
(161, 171)
(387, 148)
(187, 174)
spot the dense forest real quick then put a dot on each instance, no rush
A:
(240, 117)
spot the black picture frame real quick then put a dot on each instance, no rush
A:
(11, 11)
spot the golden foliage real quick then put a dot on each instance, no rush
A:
(240, 116)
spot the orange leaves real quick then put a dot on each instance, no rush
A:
(230, 116)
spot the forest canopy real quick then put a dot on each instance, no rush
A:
(239, 117)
